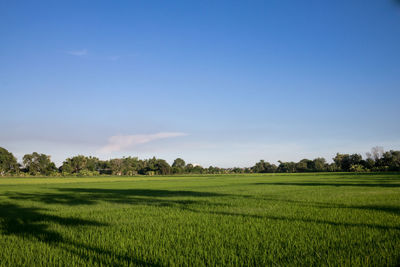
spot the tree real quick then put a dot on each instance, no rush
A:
(116, 166)
(8, 163)
(189, 168)
(342, 161)
(286, 166)
(357, 168)
(376, 153)
(131, 166)
(213, 170)
(369, 164)
(92, 164)
(355, 159)
(345, 161)
(263, 167)
(36, 163)
(319, 164)
(178, 166)
(179, 163)
(391, 160)
(155, 166)
(305, 165)
(162, 167)
(75, 164)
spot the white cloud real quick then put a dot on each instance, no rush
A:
(78, 53)
(125, 142)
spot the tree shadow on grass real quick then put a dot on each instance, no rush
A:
(304, 220)
(52, 198)
(33, 224)
(395, 210)
(337, 174)
(364, 183)
(91, 196)
(142, 192)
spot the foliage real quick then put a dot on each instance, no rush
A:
(8, 163)
(39, 164)
(264, 167)
(36, 163)
(357, 168)
(74, 164)
(178, 166)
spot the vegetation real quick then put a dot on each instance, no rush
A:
(8, 163)
(40, 164)
(308, 219)
(36, 163)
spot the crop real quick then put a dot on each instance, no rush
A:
(264, 220)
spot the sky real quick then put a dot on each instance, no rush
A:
(222, 83)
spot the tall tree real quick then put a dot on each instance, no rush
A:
(179, 163)
(263, 167)
(286, 166)
(319, 164)
(36, 163)
(8, 163)
(178, 166)
(75, 164)
(116, 166)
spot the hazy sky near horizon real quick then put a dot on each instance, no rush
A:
(225, 83)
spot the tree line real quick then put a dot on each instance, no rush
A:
(40, 164)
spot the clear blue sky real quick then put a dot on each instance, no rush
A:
(216, 82)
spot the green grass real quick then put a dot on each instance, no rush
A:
(284, 220)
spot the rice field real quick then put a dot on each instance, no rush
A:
(226, 220)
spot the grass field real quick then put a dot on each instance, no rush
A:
(284, 220)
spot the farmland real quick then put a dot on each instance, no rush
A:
(253, 219)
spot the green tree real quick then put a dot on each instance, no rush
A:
(305, 165)
(92, 164)
(391, 160)
(131, 165)
(189, 168)
(263, 167)
(179, 163)
(75, 164)
(116, 166)
(36, 163)
(357, 168)
(342, 161)
(155, 166)
(8, 163)
(162, 167)
(286, 166)
(319, 164)
(178, 166)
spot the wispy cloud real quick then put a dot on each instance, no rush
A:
(78, 53)
(125, 142)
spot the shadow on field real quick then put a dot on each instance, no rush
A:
(341, 174)
(90, 196)
(323, 205)
(33, 223)
(376, 182)
(305, 220)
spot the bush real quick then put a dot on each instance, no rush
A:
(357, 168)
(88, 173)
